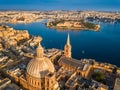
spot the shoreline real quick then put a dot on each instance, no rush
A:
(72, 28)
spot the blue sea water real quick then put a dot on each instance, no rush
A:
(103, 46)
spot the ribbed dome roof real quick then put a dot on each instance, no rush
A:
(40, 65)
(39, 68)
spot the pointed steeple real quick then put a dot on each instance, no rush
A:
(39, 51)
(68, 40)
(67, 48)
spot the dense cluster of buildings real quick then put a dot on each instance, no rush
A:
(31, 16)
(10, 37)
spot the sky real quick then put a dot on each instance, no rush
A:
(107, 5)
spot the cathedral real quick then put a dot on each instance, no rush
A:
(40, 73)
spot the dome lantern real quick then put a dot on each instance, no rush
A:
(39, 51)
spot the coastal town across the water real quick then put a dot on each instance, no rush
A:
(37, 16)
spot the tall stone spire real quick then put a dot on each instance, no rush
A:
(39, 51)
(68, 40)
(67, 48)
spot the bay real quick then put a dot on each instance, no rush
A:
(103, 46)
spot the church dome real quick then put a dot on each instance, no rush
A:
(40, 65)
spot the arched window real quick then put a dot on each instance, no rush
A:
(32, 81)
(38, 83)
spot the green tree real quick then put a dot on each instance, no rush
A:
(98, 76)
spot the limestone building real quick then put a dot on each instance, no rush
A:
(71, 64)
(40, 73)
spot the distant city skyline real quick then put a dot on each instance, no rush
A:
(102, 5)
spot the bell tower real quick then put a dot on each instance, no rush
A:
(67, 48)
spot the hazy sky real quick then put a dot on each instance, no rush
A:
(60, 4)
